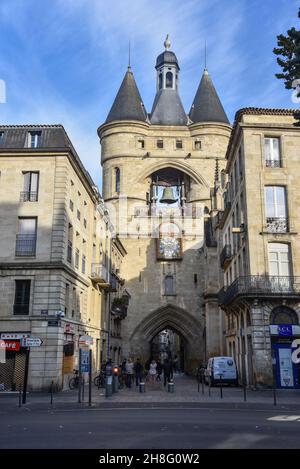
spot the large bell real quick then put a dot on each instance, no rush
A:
(168, 196)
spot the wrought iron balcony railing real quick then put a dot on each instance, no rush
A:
(28, 196)
(226, 255)
(277, 224)
(25, 245)
(21, 309)
(99, 274)
(261, 286)
(273, 163)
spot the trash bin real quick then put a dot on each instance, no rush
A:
(142, 387)
(171, 387)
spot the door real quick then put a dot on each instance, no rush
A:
(285, 370)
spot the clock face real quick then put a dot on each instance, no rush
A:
(169, 248)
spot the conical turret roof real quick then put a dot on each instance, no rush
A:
(128, 104)
(167, 109)
(207, 106)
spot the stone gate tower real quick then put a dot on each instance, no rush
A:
(158, 169)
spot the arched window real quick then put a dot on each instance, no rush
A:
(160, 81)
(169, 285)
(169, 80)
(283, 315)
(117, 179)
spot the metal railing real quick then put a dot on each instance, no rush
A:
(21, 308)
(25, 245)
(28, 196)
(100, 272)
(260, 286)
(273, 163)
(226, 255)
(277, 224)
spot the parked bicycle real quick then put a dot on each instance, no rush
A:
(99, 380)
(74, 382)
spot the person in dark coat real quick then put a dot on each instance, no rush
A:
(159, 370)
(138, 371)
(168, 371)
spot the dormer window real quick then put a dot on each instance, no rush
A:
(34, 139)
(169, 80)
(1, 136)
(160, 143)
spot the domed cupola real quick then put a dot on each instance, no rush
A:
(167, 107)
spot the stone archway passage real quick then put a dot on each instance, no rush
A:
(170, 317)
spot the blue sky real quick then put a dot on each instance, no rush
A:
(63, 60)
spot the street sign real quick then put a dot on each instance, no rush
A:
(85, 340)
(85, 361)
(32, 342)
(13, 345)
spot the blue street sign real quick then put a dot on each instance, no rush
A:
(85, 361)
(285, 330)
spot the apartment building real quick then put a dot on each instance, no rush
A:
(56, 237)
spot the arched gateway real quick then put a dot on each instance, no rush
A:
(174, 318)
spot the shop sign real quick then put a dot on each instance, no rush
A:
(86, 340)
(85, 361)
(69, 328)
(13, 345)
(13, 335)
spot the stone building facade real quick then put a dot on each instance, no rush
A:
(256, 226)
(144, 158)
(55, 257)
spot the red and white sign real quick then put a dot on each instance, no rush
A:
(69, 328)
(13, 345)
(86, 340)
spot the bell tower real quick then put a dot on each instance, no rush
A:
(158, 169)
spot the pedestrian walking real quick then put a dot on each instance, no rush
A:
(159, 370)
(176, 364)
(138, 370)
(168, 371)
(129, 373)
(152, 372)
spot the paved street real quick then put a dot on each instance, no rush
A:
(150, 428)
(156, 419)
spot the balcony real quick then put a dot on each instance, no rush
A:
(20, 309)
(261, 286)
(28, 196)
(99, 274)
(25, 245)
(226, 256)
(273, 163)
(119, 307)
(277, 225)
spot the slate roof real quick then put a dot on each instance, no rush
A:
(53, 138)
(128, 104)
(207, 106)
(166, 57)
(167, 109)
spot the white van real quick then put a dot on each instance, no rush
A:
(221, 368)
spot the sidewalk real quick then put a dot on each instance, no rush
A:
(186, 393)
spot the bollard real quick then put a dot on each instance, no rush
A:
(274, 396)
(171, 387)
(108, 386)
(142, 387)
(209, 388)
(115, 384)
(20, 396)
(221, 387)
(51, 392)
(82, 387)
(198, 386)
(202, 384)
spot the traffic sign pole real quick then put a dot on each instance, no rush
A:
(90, 378)
(26, 376)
